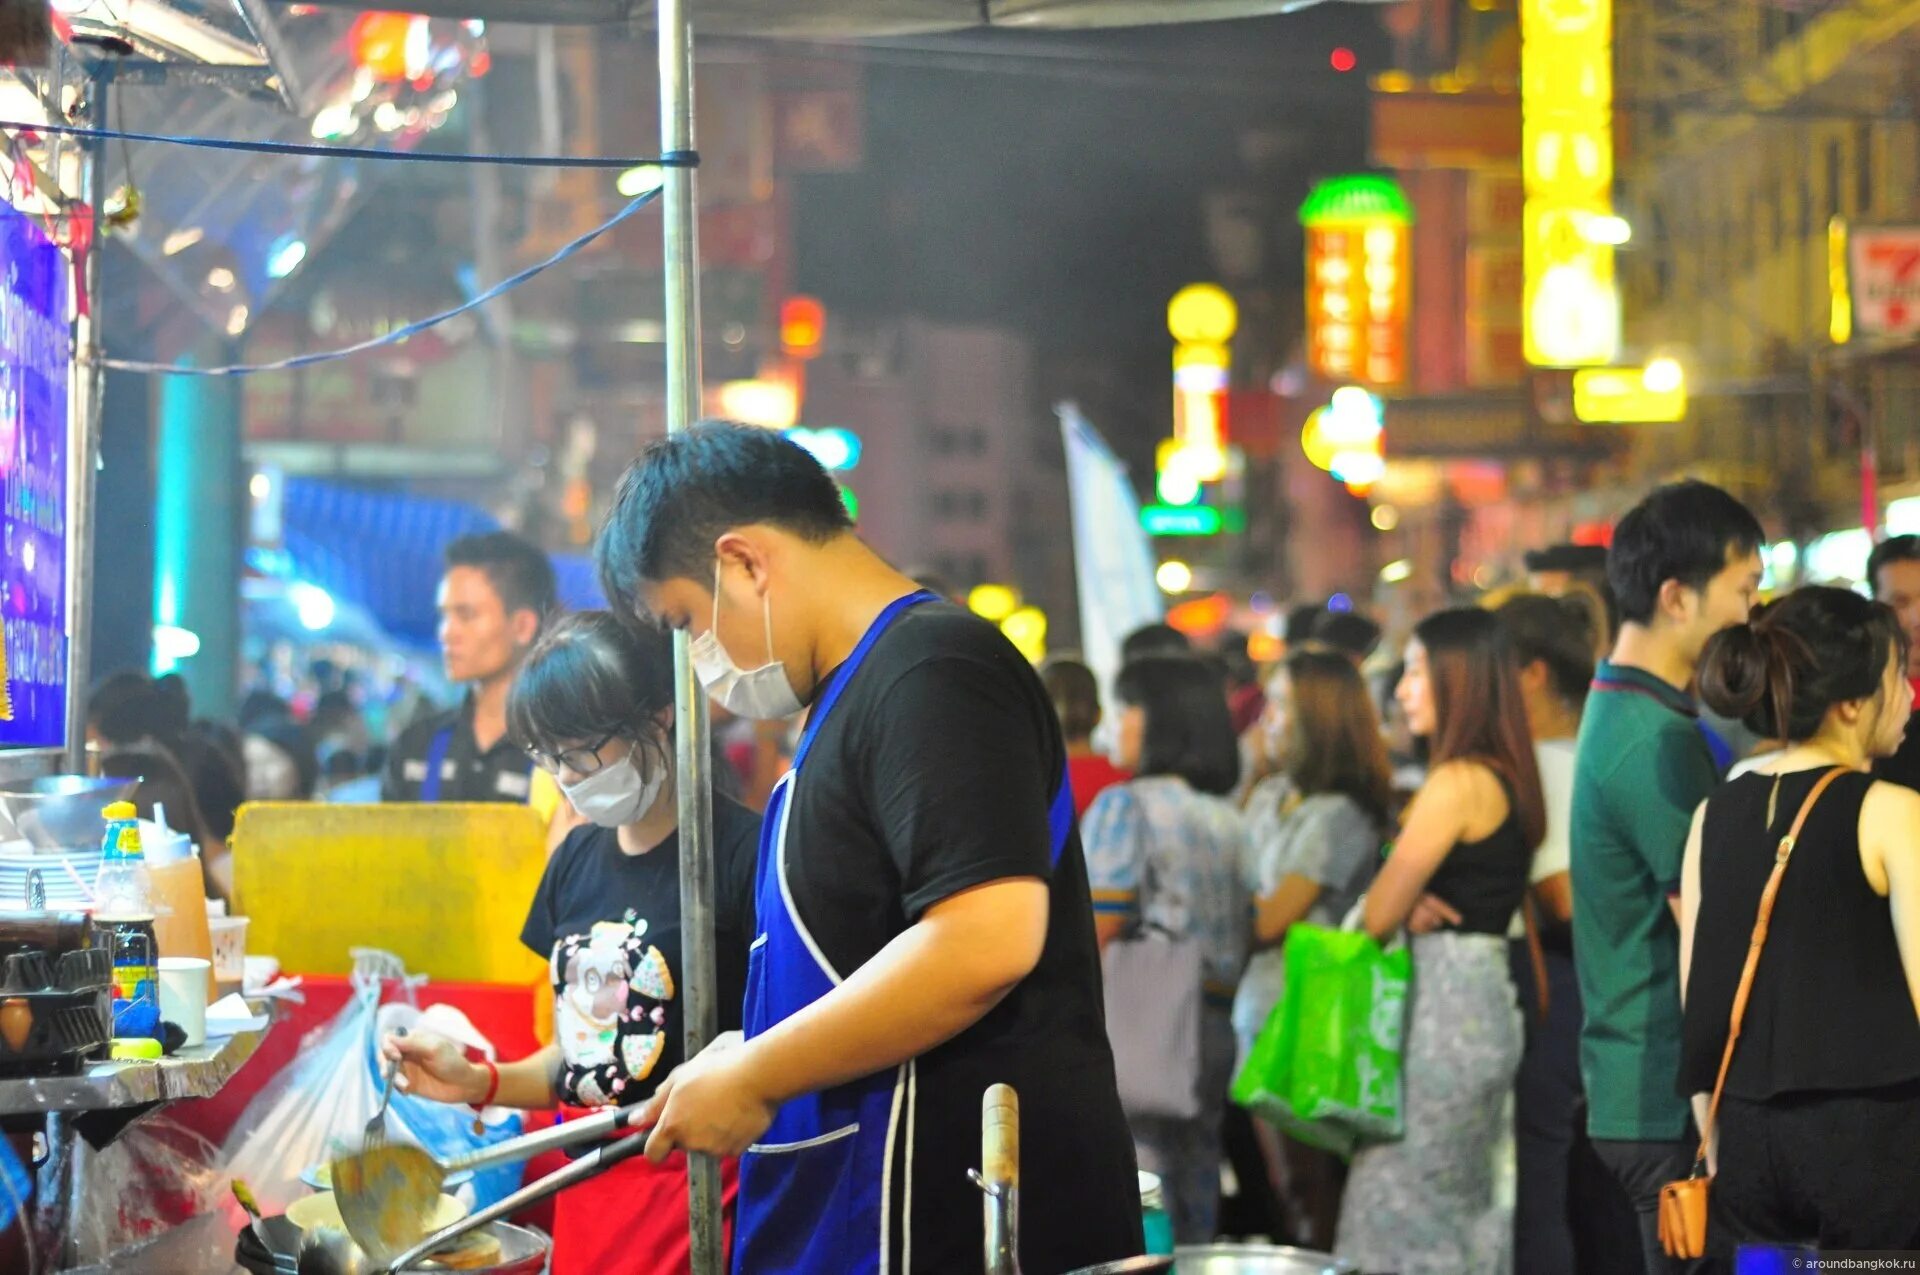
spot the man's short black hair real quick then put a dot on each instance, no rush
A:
(1686, 531)
(516, 567)
(685, 491)
(1572, 558)
(1891, 550)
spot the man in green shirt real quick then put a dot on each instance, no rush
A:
(1684, 564)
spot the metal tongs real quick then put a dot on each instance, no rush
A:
(387, 1190)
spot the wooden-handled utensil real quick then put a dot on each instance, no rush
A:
(999, 1178)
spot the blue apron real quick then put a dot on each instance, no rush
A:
(817, 1191)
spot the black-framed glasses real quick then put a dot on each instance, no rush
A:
(581, 761)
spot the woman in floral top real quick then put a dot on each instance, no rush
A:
(1165, 850)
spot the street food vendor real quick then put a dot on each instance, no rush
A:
(594, 709)
(925, 928)
(497, 591)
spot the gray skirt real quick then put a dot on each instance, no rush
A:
(1426, 1205)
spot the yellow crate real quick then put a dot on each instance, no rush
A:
(444, 886)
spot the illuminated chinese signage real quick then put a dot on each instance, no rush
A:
(1572, 305)
(33, 472)
(1359, 284)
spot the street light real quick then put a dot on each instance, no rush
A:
(1174, 576)
(1663, 375)
(1607, 230)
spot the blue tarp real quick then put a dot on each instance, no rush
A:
(384, 552)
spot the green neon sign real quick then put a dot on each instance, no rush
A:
(1180, 520)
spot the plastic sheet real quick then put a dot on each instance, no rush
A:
(321, 1103)
(154, 1177)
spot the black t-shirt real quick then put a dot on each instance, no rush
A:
(934, 773)
(609, 924)
(503, 773)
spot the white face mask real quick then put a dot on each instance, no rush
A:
(762, 694)
(616, 794)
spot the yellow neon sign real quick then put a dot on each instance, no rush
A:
(1623, 396)
(1571, 306)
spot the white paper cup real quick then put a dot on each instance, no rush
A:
(183, 995)
(229, 934)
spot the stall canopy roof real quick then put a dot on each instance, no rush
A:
(383, 551)
(844, 19)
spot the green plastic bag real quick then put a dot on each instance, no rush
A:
(1325, 1068)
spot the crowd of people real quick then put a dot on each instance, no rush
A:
(1580, 882)
(1527, 788)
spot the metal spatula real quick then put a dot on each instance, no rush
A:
(387, 1190)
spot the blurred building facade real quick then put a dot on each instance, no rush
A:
(1761, 137)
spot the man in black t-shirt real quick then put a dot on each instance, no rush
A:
(497, 592)
(926, 929)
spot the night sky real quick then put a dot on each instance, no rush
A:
(1053, 183)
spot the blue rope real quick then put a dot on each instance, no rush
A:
(673, 159)
(400, 334)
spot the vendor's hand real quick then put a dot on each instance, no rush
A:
(711, 1104)
(435, 1068)
(1432, 913)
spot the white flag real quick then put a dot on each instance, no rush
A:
(1113, 559)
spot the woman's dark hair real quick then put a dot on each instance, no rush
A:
(163, 782)
(1188, 730)
(210, 756)
(1334, 742)
(589, 677)
(1301, 621)
(1154, 639)
(1354, 636)
(1559, 633)
(291, 738)
(1796, 658)
(261, 708)
(1241, 669)
(1687, 532)
(129, 707)
(1075, 694)
(686, 491)
(1478, 711)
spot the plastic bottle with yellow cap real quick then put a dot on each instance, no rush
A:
(123, 921)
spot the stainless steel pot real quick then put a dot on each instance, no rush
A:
(1228, 1259)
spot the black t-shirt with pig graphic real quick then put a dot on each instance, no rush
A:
(609, 924)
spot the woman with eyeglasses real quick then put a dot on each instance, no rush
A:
(593, 706)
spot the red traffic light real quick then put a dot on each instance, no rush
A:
(1342, 59)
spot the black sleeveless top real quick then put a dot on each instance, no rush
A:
(1485, 880)
(1830, 1010)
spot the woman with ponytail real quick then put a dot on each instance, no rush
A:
(1818, 1131)
(1425, 1205)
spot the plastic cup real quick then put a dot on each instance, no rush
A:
(183, 995)
(229, 934)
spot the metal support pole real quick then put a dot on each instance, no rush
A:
(83, 440)
(680, 219)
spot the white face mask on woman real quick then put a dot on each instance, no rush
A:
(761, 694)
(616, 794)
